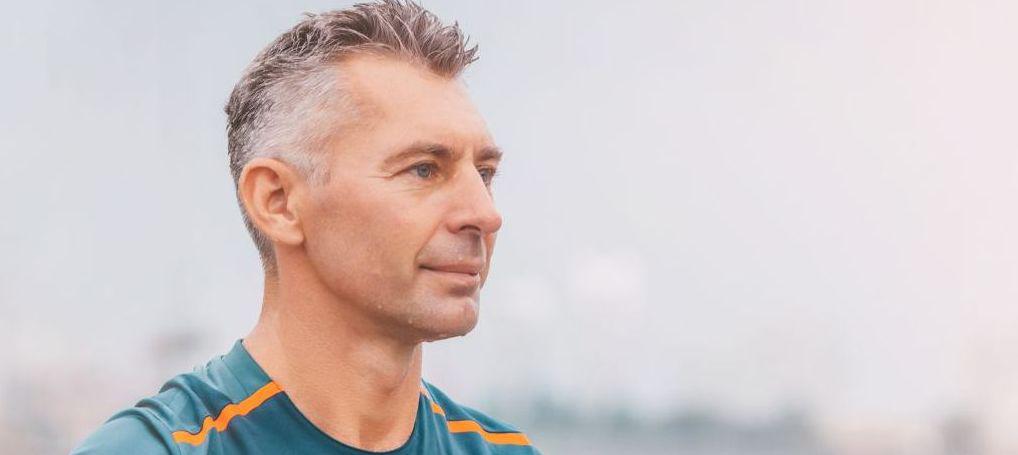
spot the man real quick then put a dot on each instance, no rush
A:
(364, 175)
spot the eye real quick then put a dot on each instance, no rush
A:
(424, 170)
(487, 174)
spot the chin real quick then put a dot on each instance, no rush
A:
(451, 319)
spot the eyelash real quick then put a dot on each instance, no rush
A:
(434, 167)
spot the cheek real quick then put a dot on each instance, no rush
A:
(357, 239)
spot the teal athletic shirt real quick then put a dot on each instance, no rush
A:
(231, 406)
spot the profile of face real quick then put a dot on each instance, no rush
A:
(404, 229)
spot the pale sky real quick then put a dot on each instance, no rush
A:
(746, 205)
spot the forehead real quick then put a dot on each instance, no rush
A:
(399, 96)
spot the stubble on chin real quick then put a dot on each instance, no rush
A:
(443, 324)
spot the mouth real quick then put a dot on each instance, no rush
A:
(460, 275)
(466, 268)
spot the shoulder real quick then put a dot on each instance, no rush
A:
(153, 424)
(131, 431)
(478, 427)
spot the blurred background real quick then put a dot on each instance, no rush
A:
(731, 227)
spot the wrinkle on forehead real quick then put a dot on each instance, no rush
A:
(384, 86)
(399, 102)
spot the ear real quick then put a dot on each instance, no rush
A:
(271, 191)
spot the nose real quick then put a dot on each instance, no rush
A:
(474, 206)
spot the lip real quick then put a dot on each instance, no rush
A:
(467, 268)
(469, 277)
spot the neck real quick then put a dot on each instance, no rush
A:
(356, 386)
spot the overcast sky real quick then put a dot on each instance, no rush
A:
(746, 205)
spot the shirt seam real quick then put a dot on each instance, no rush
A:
(167, 434)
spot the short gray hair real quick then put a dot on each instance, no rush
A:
(292, 84)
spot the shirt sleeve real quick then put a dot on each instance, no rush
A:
(126, 433)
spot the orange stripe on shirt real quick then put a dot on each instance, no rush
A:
(434, 406)
(228, 413)
(470, 426)
(466, 426)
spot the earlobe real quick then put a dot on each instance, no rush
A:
(268, 189)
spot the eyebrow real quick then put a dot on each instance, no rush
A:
(440, 152)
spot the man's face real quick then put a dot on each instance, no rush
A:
(404, 230)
